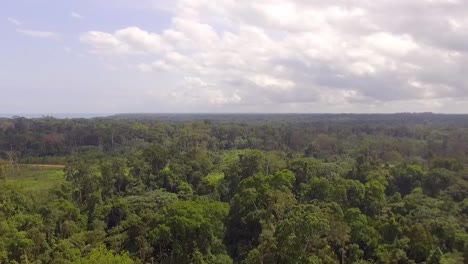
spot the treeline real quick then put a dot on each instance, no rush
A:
(415, 136)
(227, 192)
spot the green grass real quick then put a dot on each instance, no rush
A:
(214, 178)
(35, 179)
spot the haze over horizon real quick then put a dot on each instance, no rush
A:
(201, 56)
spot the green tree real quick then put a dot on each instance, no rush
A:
(261, 200)
(114, 177)
(435, 257)
(189, 227)
(404, 179)
(84, 177)
(465, 253)
(3, 172)
(246, 165)
(362, 233)
(420, 243)
(304, 169)
(375, 198)
(101, 255)
(297, 239)
(437, 180)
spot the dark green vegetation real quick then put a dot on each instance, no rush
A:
(235, 189)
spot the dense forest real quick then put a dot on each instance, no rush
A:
(235, 189)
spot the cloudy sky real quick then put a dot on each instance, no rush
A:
(113, 56)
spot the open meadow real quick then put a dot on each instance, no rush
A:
(32, 179)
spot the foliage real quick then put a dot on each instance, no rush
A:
(235, 189)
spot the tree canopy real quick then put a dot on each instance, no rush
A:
(235, 189)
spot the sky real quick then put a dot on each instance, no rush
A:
(236, 56)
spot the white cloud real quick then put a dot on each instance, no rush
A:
(159, 65)
(362, 68)
(297, 52)
(271, 82)
(217, 97)
(14, 21)
(391, 44)
(76, 15)
(130, 40)
(38, 33)
(140, 40)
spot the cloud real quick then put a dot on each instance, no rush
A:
(130, 40)
(271, 82)
(155, 66)
(76, 15)
(102, 42)
(261, 53)
(14, 21)
(38, 33)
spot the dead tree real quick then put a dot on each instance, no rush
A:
(13, 161)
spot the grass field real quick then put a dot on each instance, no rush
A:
(36, 179)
